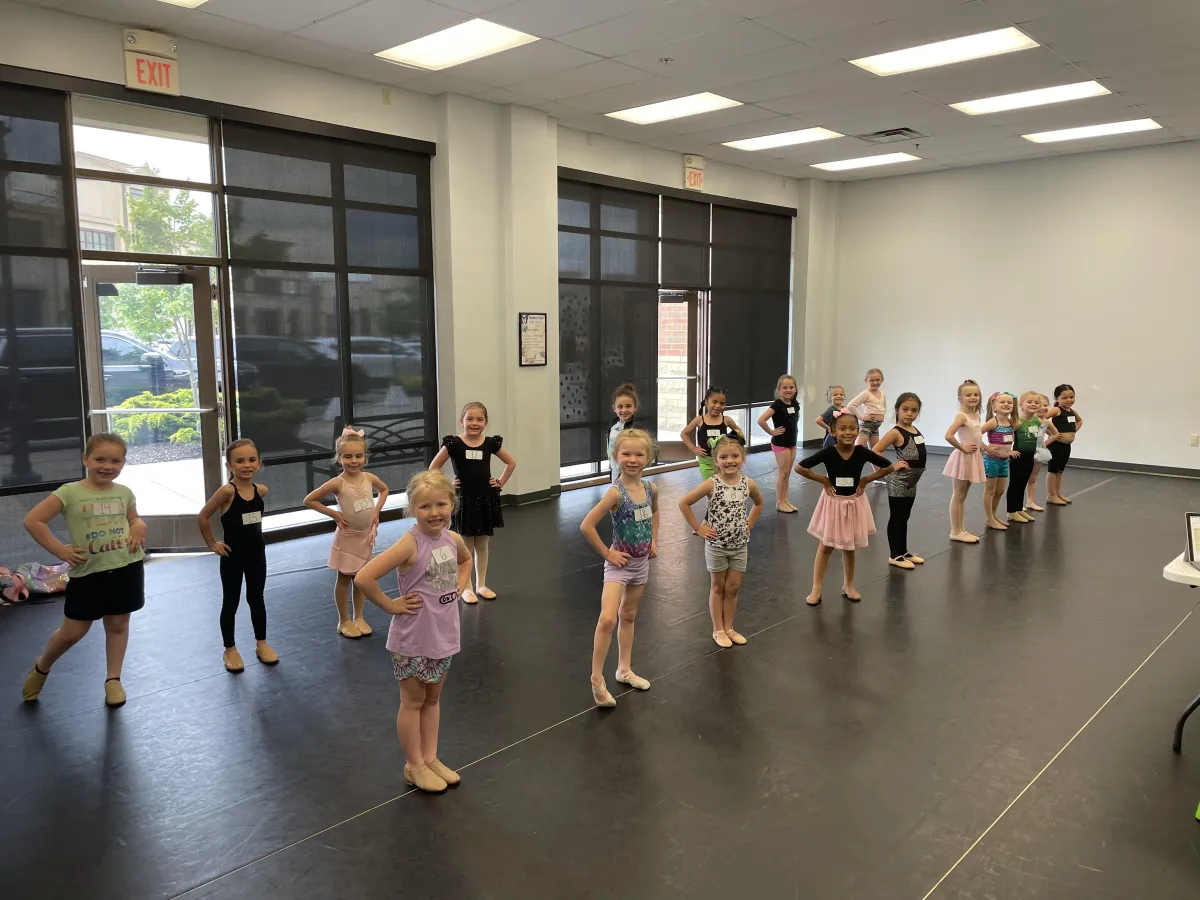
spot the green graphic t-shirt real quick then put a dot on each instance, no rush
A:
(99, 526)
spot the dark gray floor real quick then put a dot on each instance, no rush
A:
(845, 752)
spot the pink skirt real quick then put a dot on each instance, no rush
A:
(842, 522)
(965, 467)
(351, 549)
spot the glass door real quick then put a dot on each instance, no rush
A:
(152, 378)
(680, 330)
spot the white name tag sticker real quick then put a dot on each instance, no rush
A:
(360, 505)
(843, 482)
(443, 554)
(1006, 438)
(791, 410)
(642, 513)
(919, 439)
(251, 518)
(474, 454)
(108, 508)
(737, 495)
(1071, 419)
(713, 432)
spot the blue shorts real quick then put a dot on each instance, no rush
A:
(995, 468)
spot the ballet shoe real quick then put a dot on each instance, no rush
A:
(634, 681)
(901, 563)
(364, 629)
(444, 772)
(721, 639)
(997, 525)
(469, 597)
(735, 637)
(34, 682)
(1054, 501)
(1035, 507)
(114, 694)
(486, 594)
(601, 696)
(266, 655)
(912, 558)
(965, 538)
(809, 599)
(233, 661)
(850, 594)
(348, 629)
(424, 779)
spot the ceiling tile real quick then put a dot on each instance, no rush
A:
(584, 80)
(1173, 115)
(741, 131)
(755, 9)
(1070, 115)
(660, 23)
(200, 26)
(1116, 142)
(133, 13)
(550, 18)
(691, 54)
(476, 7)
(371, 68)
(639, 93)
(541, 59)
(505, 97)
(308, 53)
(873, 92)
(1019, 11)
(826, 17)
(896, 34)
(278, 15)
(1005, 74)
(379, 24)
(736, 115)
(812, 78)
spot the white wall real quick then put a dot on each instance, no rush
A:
(1080, 269)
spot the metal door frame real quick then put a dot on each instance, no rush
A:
(675, 450)
(171, 532)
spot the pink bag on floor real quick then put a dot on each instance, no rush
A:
(45, 579)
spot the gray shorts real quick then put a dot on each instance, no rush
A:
(719, 560)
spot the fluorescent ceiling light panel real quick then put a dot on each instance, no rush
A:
(457, 45)
(864, 162)
(785, 139)
(691, 105)
(943, 53)
(1091, 131)
(186, 4)
(1078, 91)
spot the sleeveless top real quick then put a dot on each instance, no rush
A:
(472, 465)
(903, 482)
(707, 434)
(1025, 438)
(1065, 421)
(969, 433)
(360, 516)
(1001, 434)
(727, 513)
(242, 524)
(434, 631)
(633, 528)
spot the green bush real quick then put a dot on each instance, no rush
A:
(270, 421)
(153, 428)
(411, 384)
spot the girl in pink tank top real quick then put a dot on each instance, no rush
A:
(433, 567)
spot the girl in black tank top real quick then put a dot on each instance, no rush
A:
(909, 445)
(242, 550)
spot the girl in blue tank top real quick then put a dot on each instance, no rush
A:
(633, 505)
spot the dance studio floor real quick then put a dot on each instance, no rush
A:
(996, 724)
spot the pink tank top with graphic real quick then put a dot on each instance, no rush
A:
(434, 631)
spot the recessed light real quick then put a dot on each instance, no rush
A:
(865, 161)
(1091, 131)
(1078, 91)
(186, 4)
(784, 139)
(943, 53)
(691, 105)
(456, 45)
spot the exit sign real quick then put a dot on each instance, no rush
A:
(693, 172)
(151, 73)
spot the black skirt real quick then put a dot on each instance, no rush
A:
(113, 592)
(478, 514)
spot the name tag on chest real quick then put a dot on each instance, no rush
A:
(736, 495)
(1006, 438)
(919, 439)
(791, 410)
(714, 432)
(1071, 420)
(251, 518)
(443, 554)
(843, 482)
(107, 508)
(364, 503)
(642, 513)
(474, 454)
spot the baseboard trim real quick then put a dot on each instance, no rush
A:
(532, 497)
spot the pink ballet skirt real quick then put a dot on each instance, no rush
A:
(842, 522)
(965, 467)
(351, 550)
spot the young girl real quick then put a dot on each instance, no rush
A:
(997, 451)
(909, 445)
(478, 510)
(1041, 455)
(870, 406)
(633, 505)
(1066, 421)
(726, 531)
(242, 550)
(842, 519)
(836, 397)
(703, 432)
(357, 518)
(625, 405)
(1025, 443)
(433, 567)
(107, 578)
(965, 465)
(784, 413)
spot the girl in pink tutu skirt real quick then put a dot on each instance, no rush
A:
(360, 498)
(842, 519)
(965, 465)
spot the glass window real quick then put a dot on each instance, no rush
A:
(278, 231)
(574, 255)
(757, 436)
(382, 240)
(41, 410)
(273, 172)
(380, 186)
(576, 213)
(622, 259)
(142, 140)
(288, 362)
(148, 218)
(90, 239)
(33, 214)
(29, 140)
(117, 350)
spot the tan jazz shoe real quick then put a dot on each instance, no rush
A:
(424, 779)
(348, 629)
(444, 772)
(735, 637)
(34, 682)
(114, 694)
(233, 661)
(364, 629)
(266, 655)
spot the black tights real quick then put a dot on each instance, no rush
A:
(1020, 470)
(233, 567)
(897, 528)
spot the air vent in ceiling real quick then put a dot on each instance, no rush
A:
(890, 136)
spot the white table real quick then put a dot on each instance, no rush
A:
(1181, 572)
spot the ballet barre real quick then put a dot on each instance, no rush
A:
(1182, 572)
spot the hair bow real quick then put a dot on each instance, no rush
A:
(838, 413)
(348, 431)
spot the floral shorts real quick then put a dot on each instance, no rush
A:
(430, 671)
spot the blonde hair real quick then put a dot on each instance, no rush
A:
(727, 441)
(349, 435)
(104, 437)
(429, 481)
(966, 384)
(633, 434)
(779, 385)
(474, 404)
(829, 392)
(991, 407)
(1025, 396)
(871, 372)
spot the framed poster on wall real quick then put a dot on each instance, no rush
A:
(531, 334)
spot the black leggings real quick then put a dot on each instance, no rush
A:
(897, 529)
(233, 567)
(1060, 455)
(1020, 470)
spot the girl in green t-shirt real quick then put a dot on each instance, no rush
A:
(105, 554)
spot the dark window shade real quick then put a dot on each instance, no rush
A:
(772, 320)
(684, 220)
(279, 231)
(684, 265)
(574, 205)
(574, 255)
(629, 346)
(732, 344)
(628, 259)
(743, 228)
(382, 240)
(33, 211)
(629, 212)
(369, 185)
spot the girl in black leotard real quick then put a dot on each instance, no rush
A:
(242, 550)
